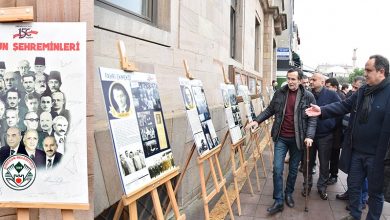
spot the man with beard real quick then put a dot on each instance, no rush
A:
(30, 140)
(40, 83)
(54, 81)
(60, 126)
(53, 158)
(13, 146)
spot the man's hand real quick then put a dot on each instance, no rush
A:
(313, 111)
(308, 142)
(253, 124)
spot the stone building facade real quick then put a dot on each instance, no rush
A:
(208, 34)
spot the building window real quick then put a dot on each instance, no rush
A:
(233, 29)
(257, 44)
(140, 8)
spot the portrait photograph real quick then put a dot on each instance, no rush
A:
(188, 97)
(201, 143)
(201, 103)
(119, 99)
(146, 97)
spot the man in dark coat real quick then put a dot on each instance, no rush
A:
(368, 135)
(291, 130)
(52, 158)
(13, 147)
(30, 141)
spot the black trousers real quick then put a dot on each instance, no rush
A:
(324, 147)
(335, 156)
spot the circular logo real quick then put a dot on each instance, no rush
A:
(18, 172)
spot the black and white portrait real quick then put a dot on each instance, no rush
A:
(119, 98)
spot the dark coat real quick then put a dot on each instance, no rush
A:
(304, 126)
(351, 105)
(40, 158)
(5, 151)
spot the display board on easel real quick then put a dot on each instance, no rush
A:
(43, 106)
(137, 126)
(199, 115)
(243, 91)
(140, 140)
(232, 112)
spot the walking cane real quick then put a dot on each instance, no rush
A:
(307, 177)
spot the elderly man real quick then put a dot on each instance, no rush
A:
(40, 83)
(31, 121)
(52, 158)
(40, 65)
(368, 136)
(291, 130)
(59, 103)
(60, 125)
(30, 140)
(323, 139)
(11, 80)
(54, 81)
(13, 147)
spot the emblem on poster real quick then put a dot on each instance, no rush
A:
(19, 172)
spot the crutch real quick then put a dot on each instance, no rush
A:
(307, 177)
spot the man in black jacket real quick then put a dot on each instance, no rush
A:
(291, 130)
(368, 135)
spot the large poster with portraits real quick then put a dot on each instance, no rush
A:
(43, 154)
(243, 91)
(137, 127)
(198, 114)
(232, 112)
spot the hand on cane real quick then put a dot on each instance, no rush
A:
(308, 142)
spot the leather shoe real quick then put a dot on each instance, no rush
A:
(303, 193)
(289, 201)
(323, 195)
(331, 181)
(343, 196)
(275, 208)
(349, 217)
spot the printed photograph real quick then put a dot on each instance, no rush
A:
(146, 97)
(201, 143)
(201, 103)
(188, 97)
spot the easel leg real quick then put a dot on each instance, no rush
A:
(262, 162)
(23, 214)
(257, 172)
(235, 181)
(172, 199)
(133, 213)
(224, 189)
(119, 210)
(157, 205)
(244, 165)
(67, 214)
(204, 192)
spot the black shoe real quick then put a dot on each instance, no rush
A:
(323, 195)
(347, 208)
(275, 208)
(303, 193)
(313, 171)
(332, 180)
(301, 168)
(343, 196)
(289, 201)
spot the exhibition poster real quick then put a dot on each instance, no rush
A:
(243, 91)
(137, 126)
(198, 114)
(43, 154)
(232, 112)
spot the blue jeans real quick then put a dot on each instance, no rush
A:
(362, 167)
(283, 145)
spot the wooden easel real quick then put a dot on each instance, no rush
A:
(237, 147)
(165, 179)
(26, 14)
(257, 152)
(212, 157)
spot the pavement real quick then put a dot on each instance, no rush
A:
(255, 207)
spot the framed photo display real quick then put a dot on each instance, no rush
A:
(137, 127)
(198, 115)
(243, 91)
(43, 154)
(232, 112)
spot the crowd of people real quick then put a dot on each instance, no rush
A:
(34, 119)
(314, 116)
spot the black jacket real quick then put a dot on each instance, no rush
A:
(304, 126)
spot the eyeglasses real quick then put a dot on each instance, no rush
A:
(31, 119)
